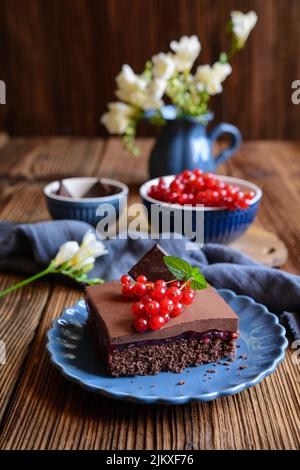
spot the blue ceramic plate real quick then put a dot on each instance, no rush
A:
(261, 344)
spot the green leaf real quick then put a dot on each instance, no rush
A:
(198, 284)
(178, 267)
(195, 271)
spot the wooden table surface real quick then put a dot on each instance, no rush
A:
(39, 409)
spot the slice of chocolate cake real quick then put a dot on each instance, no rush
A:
(205, 332)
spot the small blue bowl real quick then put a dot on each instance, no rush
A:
(90, 210)
(220, 224)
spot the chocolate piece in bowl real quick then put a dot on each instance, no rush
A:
(74, 189)
(101, 189)
(205, 332)
(63, 190)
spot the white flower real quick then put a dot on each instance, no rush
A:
(65, 253)
(157, 88)
(186, 51)
(163, 66)
(117, 118)
(130, 86)
(211, 77)
(91, 246)
(90, 249)
(222, 70)
(242, 25)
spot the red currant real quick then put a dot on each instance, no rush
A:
(250, 195)
(174, 293)
(198, 172)
(178, 308)
(139, 289)
(127, 290)
(138, 308)
(141, 279)
(160, 282)
(152, 307)
(150, 287)
(172, 197)
(156, 322)
(166, 306)
(183, 199)
(234, 335)
(146, 298)
(167, 317)
(176, 284)
(188, 296)
(125, 279)
(195, 187)
(141, 324)
(159, 292)
(176, 186)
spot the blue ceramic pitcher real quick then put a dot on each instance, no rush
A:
(185, 144)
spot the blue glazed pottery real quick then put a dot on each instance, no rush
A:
(262, 340)
(184, 143)
(91, 210)
(220, 225)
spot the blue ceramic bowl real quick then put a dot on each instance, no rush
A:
(220, 225)
(85, 209)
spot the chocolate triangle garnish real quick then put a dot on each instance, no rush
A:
(152, 266)
(100, 189)
(62, 190)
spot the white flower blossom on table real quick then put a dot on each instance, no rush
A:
(168, 78)
(242, 25)
(65, 253)
(71, 260)
(186, 52)
(89, 250)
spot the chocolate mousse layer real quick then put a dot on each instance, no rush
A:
(193, 338)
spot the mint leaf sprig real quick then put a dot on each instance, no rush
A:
(183, 271)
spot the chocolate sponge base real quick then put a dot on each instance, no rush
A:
(173, 356)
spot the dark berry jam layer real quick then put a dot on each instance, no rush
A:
(205, 337)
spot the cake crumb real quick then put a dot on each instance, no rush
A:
(181, 382)
(227, 368)
(238, 346)
(243, 366)
(243, 356)
(211, 371)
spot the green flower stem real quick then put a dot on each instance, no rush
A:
(46, 271)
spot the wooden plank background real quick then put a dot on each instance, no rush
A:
(59, 59)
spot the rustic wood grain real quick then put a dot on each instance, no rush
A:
(59, 60)
(42, 410)
(20, 312)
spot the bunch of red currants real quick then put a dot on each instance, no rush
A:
(195, 187)
(157, 302)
